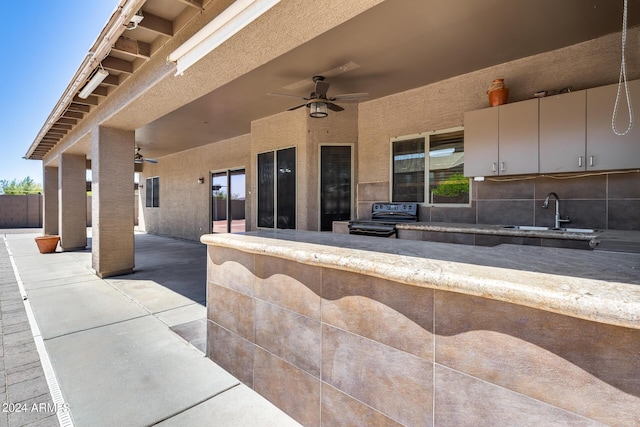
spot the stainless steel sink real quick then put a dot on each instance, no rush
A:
(575, 230)
(527, 227)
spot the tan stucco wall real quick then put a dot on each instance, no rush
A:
(297, 129)
(184, 203)
(442, 105)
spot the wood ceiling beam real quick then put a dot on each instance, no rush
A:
(111, 80)
(57, 133)
(61, 126)
(133, 48)
(73, 114)
(117, 64)
(196, 4)
(156, 24)
(90, 100)
(100, 91)
(67, 121)
(79, 108)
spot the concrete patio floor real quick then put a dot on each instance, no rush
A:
(129, 350)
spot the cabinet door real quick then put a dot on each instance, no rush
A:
(518, 138)
(605, 149)
(563, 132)
(481, 142)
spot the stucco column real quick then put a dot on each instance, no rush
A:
(50, 208)
(72, 201)
(112, 201)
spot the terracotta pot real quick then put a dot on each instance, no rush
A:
(47, 244)
(498, 93)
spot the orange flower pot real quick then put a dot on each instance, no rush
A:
(47, 244)
(498, 93)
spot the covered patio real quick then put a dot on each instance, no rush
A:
(129, 350)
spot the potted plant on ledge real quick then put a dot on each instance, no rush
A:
(454, 189)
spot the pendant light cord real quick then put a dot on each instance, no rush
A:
(623, 77)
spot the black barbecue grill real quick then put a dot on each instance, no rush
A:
(384, 217)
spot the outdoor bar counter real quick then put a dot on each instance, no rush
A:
(353, 330)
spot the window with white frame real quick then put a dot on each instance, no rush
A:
(429, 168)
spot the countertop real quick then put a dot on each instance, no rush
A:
(592, 285)
(500, 230)
(608, 240)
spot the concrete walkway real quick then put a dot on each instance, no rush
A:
(125, 351)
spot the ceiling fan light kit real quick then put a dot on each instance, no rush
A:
(318, 110)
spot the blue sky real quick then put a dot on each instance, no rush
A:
(41, 47)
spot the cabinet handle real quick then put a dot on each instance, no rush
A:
(579, 161)
(590, 160)
(502, 167)
(493, 167)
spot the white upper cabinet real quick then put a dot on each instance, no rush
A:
(518, 138)
(560, 133)
(502, 140)
(481, 142)
(563, 132)
(605, 149)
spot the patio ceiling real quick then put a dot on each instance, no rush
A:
(394, 46)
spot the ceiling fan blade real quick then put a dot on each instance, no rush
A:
(154, 161)
(334, 107)
(327, 74)
(346, 97)
(322, 87)
(296, 107)
(288, 95)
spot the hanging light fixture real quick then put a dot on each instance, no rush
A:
(318, 110)
(95, 81)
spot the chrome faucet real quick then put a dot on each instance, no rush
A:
(557, 219)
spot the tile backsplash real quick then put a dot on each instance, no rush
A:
(602, 201)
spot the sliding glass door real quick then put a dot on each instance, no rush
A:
(228, 201)
(277, 189)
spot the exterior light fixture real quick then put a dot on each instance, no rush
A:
(318, 110)
(201, 180)
(224, 26)
(95, 81)
(135, 20)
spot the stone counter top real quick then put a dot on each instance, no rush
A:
(497, 230)
(598, 286)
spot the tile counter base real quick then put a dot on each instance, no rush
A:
(333, 347)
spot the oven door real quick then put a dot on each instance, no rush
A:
(378, 229)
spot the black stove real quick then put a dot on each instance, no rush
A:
(384, 217)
